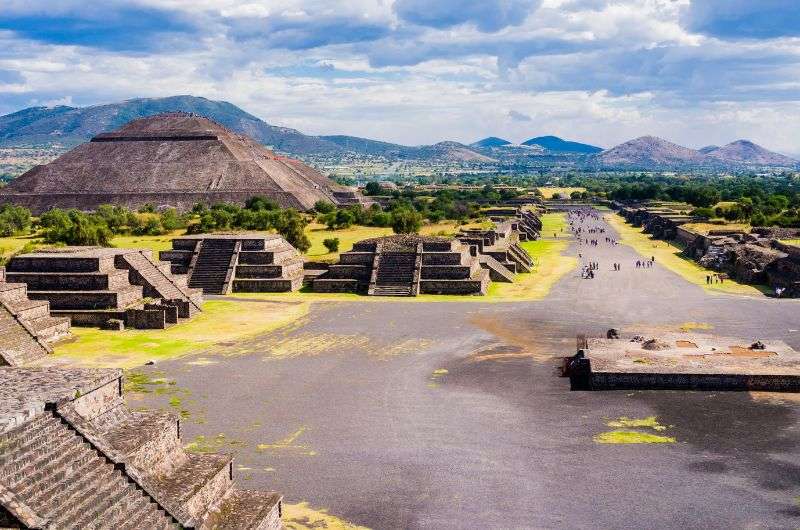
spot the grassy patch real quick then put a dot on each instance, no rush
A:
(695, 326)
(302, 516)
(795, 242)
(624, 433)
(670, 255)
(154, 243)
(705, 228)
(549, 191)
(632, 437)
(221, 321)
(555, 223)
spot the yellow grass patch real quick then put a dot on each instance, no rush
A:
(670, 255)
(624, 433)
(302, 516)
(549, 191)
(221, 321)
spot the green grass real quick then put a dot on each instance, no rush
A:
(632, 437)
(555, 223)
(795, 242)
(670, 255)
(221, 321)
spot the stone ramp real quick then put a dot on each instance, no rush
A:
(18, 344)
(497, 271)
(157, 282)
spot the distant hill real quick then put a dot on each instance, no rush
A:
(747, 153)
(650, 152)
(491, 141)
(557, 145)
(70, 126)
(707, 149)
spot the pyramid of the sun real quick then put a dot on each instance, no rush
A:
(173, 159)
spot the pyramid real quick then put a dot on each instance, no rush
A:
(172, 159)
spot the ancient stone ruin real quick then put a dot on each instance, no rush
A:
(498, 251)
(74, 456)
(523, 220)
(681, 361)
(173, 159)
(225, 263)
(406, 265)
(105, 286)
(26, 328)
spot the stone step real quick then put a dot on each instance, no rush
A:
(29, 309)
(118, 496)
(10, 292)
(139, 509)
(195, 486)
(246, 509)
(107, 484)
(67, 483)
(84, 300)
(72, 281)
(50, 329)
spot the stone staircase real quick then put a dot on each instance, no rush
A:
(395, 274)
(75, 456)
(158, 281)
(61, 477)
(26, 327)
(210, 272)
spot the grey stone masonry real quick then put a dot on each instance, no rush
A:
(236, 262)
(74, 456)
(26, 328)
(406, 265)
(90, 285)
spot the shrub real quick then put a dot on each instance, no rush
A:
(332, 244)
(324, 207)
(14, 220)
(406, 221)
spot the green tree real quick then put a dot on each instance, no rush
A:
(406, 221)
(373, 188)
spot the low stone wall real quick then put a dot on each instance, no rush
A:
(337, 286)
(476, 287)
(145, 319)
(625, 381)
(445, 272)
(442, 258)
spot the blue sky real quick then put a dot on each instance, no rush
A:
(418, 71)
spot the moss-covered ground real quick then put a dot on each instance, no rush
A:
(221, 321)
(555, 224)
(671, 256)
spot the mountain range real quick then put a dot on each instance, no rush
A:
(66, 127)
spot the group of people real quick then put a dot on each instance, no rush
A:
(714, 278)
(645, 264)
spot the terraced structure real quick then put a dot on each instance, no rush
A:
(92, 286)
(406, 265)
(75, 456)
(242, 262)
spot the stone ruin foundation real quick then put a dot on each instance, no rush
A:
(225, 263)
(682, 361)
(93, 286)
(406, 265)
(75, 456)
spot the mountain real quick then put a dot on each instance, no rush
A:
(746, 152)
(557, 145)
(491, 141)
(707, 149)
(650, 152)
(70, 126)
(448, 152)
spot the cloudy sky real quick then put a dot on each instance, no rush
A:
(696, 72)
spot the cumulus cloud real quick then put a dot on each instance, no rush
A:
(487, 15)
(519, 116)
(733, 19)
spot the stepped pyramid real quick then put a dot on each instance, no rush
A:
(239, 262)
(26, 328)
(174, 159)
(406, 265)
(74, 456)
(93, 285)
(498, 250)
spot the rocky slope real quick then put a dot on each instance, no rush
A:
(748, 153)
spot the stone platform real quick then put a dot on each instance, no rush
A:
(685, 362)
(92, 286)
(74, 456)
(406, 265)
(236, 262)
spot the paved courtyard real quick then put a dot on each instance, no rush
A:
(443, 415)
